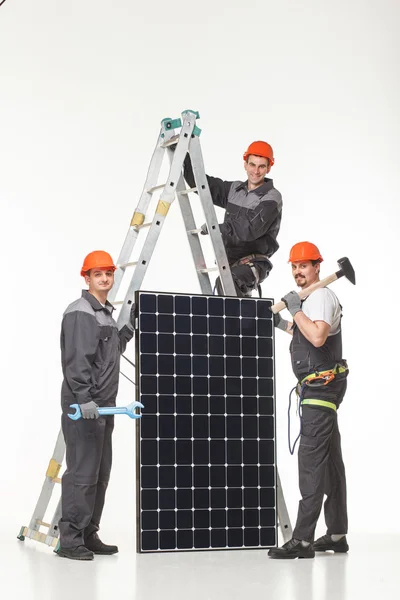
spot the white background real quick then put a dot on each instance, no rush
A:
(83, 87)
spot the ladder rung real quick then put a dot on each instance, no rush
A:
(143, 225)
(187, 191)
(37, 536)
(156, 187)
(124, 265)
(194, 231)
(205, 270)
(170, 142)
(39, 522)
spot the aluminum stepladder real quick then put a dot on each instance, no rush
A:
(185, 141)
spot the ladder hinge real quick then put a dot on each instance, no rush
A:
(171, 123)
(189, 110)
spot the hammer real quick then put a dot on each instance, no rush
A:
(345, 270)
(110, 410)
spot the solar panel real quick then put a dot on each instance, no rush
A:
(206, 439)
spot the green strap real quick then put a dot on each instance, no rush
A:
(320, 403)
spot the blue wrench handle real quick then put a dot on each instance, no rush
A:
(110, 410)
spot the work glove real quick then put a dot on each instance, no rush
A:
(89, 410)
(293, 302)
(280, 323)
(204, 229)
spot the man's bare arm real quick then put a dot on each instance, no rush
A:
(316, 332)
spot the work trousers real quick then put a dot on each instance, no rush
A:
(84, 483)
(244, 279)
(321, 467)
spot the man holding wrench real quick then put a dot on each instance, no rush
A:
(91, 346)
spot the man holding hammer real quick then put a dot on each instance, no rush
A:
(316, 352)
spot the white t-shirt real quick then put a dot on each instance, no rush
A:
(323, 305)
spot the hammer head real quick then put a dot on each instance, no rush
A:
(347, 270)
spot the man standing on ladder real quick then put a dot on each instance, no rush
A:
(316, 351)
(91, 346)
(252, 218)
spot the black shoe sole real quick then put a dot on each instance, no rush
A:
(62, 555)
(75, 557)
(335, 550)
(104, 553)
(285, 557)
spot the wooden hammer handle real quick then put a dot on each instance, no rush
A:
(307, 291)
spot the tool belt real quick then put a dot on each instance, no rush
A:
(316, 379)
(248, 260)
(319, 379)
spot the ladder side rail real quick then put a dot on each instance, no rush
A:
(283, 514)
(204, 193)
(42, 504)
(49, 483)
(164, 204)
(141, 209)
(193, 239)
(53, 530)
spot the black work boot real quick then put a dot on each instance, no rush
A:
(94, 543)
(78, 553)
(325, 543)
(292, 549)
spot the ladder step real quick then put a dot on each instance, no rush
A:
(124, 265)
(143, 225)
(162, 185)
(187, 191)
(171, 141)
(42, 523)
(37, 536)
(156, 187)
(205, 270)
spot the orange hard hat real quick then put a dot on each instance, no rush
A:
(260, 149)
(304, 251)
(97, 260)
